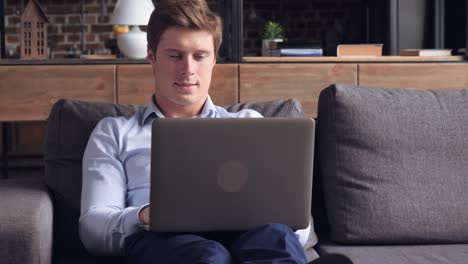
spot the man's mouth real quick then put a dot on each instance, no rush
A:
(185, 87)
(185, 84)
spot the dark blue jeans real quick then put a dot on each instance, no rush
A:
(272, 243)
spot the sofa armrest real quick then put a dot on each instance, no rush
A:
(25, 222)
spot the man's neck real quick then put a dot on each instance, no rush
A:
(172, 110)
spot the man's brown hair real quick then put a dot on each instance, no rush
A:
(192, 14)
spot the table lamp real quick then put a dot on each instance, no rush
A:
(132, 13)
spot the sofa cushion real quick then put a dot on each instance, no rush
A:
(394, 164)
(276, 108)
(69, 126)
(25, 221)
(401, 254)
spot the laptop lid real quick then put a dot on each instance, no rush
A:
(228, 174)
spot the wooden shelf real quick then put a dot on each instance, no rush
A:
(355, 59)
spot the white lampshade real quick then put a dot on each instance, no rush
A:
(132, 12)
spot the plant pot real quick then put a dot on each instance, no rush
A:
(270, 47)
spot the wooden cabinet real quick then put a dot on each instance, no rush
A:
(28, 92)
(265, 82)
(415, 75)
(29, 137)
(135, 84)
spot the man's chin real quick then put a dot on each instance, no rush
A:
(186, 99)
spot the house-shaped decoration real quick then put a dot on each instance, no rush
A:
(34, 24)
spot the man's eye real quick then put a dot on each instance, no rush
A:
(174, 56)
(200, 57)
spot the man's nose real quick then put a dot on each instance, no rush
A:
(187, 65)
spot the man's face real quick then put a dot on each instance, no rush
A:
(182, 67)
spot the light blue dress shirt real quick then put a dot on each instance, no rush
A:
(116, 177)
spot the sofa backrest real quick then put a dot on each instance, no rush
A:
(394, 164)
(69, 125)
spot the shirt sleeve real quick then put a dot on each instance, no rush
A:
(303, 234)
(105, 220)
(249, 113)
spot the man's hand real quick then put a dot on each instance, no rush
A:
(143, 215)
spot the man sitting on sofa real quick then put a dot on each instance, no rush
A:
(183, 39)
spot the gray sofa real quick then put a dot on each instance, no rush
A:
(390, 179)
(27, 232)
(392, 175)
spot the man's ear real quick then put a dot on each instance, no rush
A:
(150, 56)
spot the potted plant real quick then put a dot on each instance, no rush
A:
(272, 34)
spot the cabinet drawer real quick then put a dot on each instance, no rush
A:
(265, 82)
(135, 84)
(28, 92)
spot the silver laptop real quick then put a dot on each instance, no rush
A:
(230, 174)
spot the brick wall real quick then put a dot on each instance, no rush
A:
(65, 28)
(329, 21)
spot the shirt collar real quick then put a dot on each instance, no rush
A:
(209, 109)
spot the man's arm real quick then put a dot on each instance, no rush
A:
(105, 220)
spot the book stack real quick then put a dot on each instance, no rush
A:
(300, 48)
(426, 52)
(359, 50)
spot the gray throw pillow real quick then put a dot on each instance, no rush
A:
(394, 164)
(276, 108)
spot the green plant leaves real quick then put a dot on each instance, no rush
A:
(272, 30)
